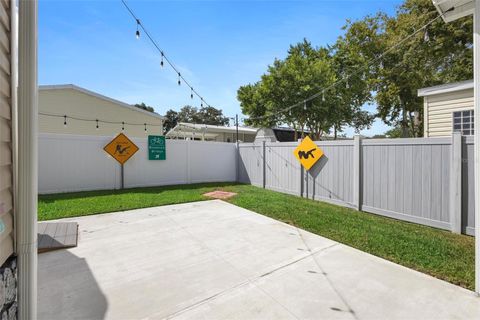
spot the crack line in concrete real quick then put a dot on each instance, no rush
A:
(248, 281)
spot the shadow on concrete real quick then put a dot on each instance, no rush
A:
(67, 288)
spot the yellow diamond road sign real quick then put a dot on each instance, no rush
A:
(307, 153)
(121, 148)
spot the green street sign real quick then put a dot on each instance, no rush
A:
(157, 148)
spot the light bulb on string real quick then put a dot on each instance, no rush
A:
(305, 105)
(426, 36)
(179, 82)
(347, 85)
(97, 124)
(137, 33)
(123, 126)
(65, 121)
(145, 127)
(191, 92)
(161, 61)
(323, 96)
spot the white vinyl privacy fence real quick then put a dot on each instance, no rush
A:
(424, 180)
(76, 163)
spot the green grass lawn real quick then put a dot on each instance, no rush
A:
(445, 255)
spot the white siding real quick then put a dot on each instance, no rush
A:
(74, 103)
(439, 109)
(6, 168)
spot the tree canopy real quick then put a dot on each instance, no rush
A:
(204, 115)
(143, 106)
(378, 60)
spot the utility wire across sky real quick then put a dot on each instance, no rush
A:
(163, 56)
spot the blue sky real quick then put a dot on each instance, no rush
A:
(217, 45)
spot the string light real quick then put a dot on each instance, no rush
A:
(98, 121)
(426, 36)
(123, 126)
(323, 96)
(137, 33)
(164, 59)
(191, 92)
(145, 127)
(305, 105)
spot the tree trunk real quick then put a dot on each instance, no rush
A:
(404, 122)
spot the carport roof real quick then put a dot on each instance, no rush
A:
(454, 9)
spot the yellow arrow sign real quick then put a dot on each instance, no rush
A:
(121, 148)
(307, 153)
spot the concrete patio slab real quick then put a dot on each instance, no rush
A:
(213, 260)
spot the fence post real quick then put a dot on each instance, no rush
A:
(237, 163)
(264, 182)
(357, 172)
(456, 183)
(187, 146)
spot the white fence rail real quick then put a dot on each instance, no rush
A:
(70, 163)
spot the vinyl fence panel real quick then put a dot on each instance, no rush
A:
(332, 177)
(70, 163)
(250, 163)
(282, 170)
(408, 179)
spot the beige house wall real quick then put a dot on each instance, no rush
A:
(438, 111)
(6, 145)
(78, 104)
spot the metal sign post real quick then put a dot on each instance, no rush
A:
(122, 176)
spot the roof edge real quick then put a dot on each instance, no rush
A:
(99, 96)
(445, 88)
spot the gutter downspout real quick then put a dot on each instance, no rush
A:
(27, 160)
(476, 99)
(14, 101)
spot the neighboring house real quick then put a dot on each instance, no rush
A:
(448, 108)
(57, 101)
(207, 132)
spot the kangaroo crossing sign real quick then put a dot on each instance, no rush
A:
(307, 153)
(121, 148)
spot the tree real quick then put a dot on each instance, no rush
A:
(440, 53)
(210, 115)
(171, 120)
(290, 82)
(143, 106)
(189, 114)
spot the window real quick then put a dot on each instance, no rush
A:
(463, 122)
